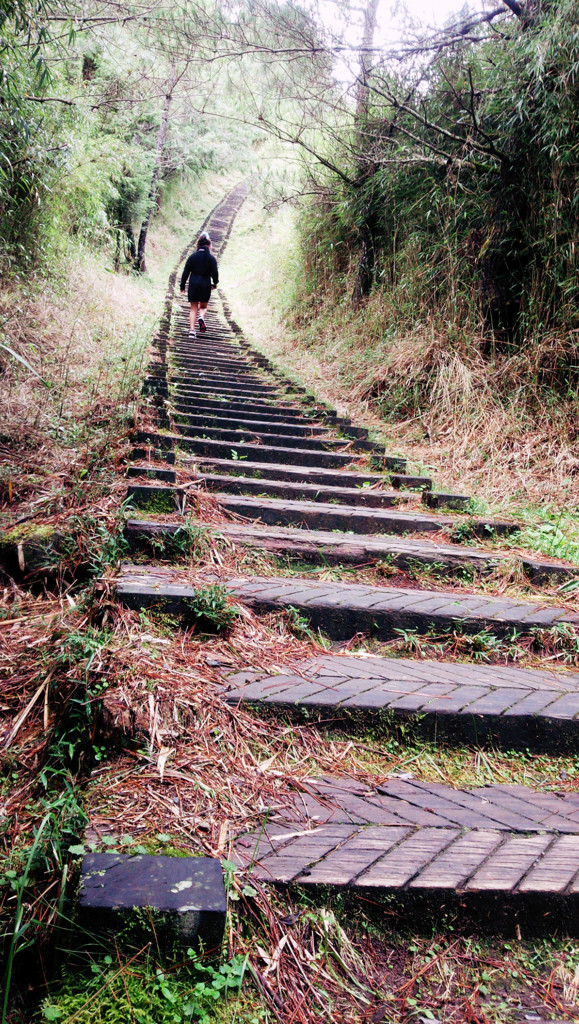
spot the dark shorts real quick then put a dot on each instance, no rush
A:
(199, 288)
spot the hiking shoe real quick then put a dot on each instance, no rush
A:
(201, 325)
(192, 334)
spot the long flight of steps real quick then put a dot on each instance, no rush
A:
(297, 480)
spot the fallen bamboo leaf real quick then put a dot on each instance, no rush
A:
(164, 755)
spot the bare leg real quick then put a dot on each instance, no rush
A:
(193, 315)
(201, 317)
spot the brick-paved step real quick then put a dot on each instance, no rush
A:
(321, 547)
(203, 420)
(245, 407)
(403, 480)
(350, 518)
(513, 707)
(273, 439)
(343, 609)
(333, 548)
(503, 859)
(334, 478)
(266, 453)
(243, 411)
(152, 472)
(363, 496)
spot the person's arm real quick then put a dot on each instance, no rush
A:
(185, 274)
(214, 271)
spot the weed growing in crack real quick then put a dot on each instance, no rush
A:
(560, 640)
(188, 541)
(210, 610)
(300, 626)
(483, 646)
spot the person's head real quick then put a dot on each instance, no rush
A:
(203, 241)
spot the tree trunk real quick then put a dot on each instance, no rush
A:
(365, 274)
(131, 243)
(140, 263)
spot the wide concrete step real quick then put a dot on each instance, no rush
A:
(227, 388)
(291, 427)
(326, 516)
(513, 707)
(296, 491)
(498, 859)
(319, 547)
(339, 478)
(242, 407)
(272, 438)
(262, 452)
(342, 610)
(245, 382)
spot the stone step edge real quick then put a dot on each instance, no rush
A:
(523, 717)
(323, 548)
(307, 457)
(496, 907)
(343, 610)
(271, 471)
(363, 497)
(480, 528)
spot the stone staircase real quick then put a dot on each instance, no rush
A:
(295, 479)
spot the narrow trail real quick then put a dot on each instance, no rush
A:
(317, 491)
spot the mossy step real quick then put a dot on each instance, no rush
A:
(343, 610)
(186, 895)
(438, 499)
(448, 702)
(357, 520)
(353, 480)
(152, 472)
(155, 498)
(233, 422)
(402, 480)
(156, 454)
(295, 491)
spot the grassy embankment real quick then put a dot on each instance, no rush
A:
(85, 331)
(491, 429)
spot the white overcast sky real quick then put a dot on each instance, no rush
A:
(393, 17)
(426, 13)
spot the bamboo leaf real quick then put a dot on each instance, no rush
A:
(22, 360)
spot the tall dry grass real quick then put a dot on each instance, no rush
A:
(501, 426)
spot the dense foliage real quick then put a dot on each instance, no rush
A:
(100, 112)
(463, 173)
